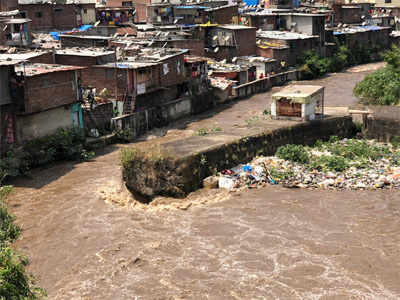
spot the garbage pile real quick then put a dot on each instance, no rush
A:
(362, 165)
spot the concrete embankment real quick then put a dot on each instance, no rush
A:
(177, 168)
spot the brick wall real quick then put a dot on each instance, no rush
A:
(50, 90)
(246, 39)
(222, 15)
(47, 17)
(99, 117)
(75, 41)
(45, 58)
(75, 60)
(196, 47)
(7, 5)
(114, 80)
(175, 75)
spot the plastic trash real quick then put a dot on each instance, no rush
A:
(247, 168)
(225, 182)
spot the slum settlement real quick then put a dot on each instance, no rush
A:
(113, 65)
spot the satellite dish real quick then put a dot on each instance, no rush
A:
(223, 61)
(176, 21)
(215, 37)
(126, 34)
(210, 73)
(259, 30)
(96, 24)
(158, 33)
(151, 43)
(234, 59)
(216, 50)
(115, 35)
(227, 38)
(5, 27)
(258, 42)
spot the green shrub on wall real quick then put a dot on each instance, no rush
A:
(383, 86)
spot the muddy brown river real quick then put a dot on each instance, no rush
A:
(88, 240)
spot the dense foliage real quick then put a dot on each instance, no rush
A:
(312, 65)
(338, 155)
(383, 86)
(64, 144)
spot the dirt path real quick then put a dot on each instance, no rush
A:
(272, 242)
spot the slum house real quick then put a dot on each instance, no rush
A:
(46, 16)
(84, 41)
(292, 43)
(374, 38)
(238, 73)
(36, 56)
(15, 32)
(279, 4)
(8, 5)
(112, 15)
(86, 57)
(265, 20)
(264, 66)
(110, 30)
(190, 37)
(7, 115)
(222, 14)
(190, 14)
(347, 14)
(229, 41)
(151, 78)
(307, 23)
(196, 72)
(45, 99)
(160, 14)
(382, 21)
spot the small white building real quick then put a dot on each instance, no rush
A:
(303, 102)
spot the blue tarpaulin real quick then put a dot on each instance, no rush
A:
(56, 34)
(251, 2)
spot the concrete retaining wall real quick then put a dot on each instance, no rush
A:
(152, 173)
(383, 122)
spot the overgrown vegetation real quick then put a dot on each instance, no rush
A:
(294, 153)
(312, 65)
(65, 144)
(383, 86)
(15, 282)
(339, 155)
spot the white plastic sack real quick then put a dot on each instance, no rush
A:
(226, 183)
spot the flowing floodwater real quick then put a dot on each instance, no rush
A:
(88, 239)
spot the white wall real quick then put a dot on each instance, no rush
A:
(43, 123)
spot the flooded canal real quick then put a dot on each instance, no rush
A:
(86, 239)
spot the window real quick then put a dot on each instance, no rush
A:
(388, 1)
(58, 9)
(38, 14)
(85, 11)
(23, 14)
(127, 3)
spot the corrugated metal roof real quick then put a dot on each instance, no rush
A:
(56, 2)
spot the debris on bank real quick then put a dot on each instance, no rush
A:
(337, 164)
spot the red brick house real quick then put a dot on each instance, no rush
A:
(58, 16)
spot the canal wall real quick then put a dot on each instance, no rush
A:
(177, 168)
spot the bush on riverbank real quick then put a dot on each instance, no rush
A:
(64, 144)
(311, 65)
(15, 282)
(383, 86)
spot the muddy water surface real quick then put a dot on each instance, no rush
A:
(256, 244)
(87, 239)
